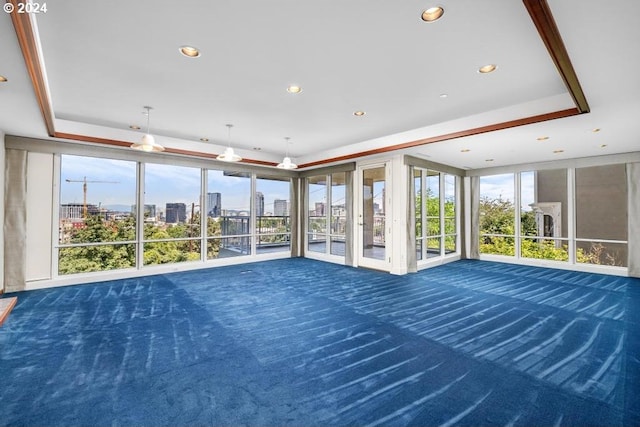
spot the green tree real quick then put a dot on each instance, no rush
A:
(99, 257)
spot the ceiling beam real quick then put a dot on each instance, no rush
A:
(538, 10)
(449, 136)
(31, 52)
(543, 20)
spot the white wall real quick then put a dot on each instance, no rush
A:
(39, 215)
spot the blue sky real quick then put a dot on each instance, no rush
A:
(164, 184)
(496, 186)
(177, 184)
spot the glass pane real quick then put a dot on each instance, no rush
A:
(548, 204)
(97, 200)
(174, 193)
(228, 247)
(272, 214)
(417, 182)
(433, 247)
(528, 226)
(450, 204)
(317, 214)
(317, 242)
(497, 245)
(602, 253)
(267, 243)
(601, 203)
(419, 249)
(497, 214)
(171, 251)
(83, 259)
(450, 225)
(544, 249)
(338, 205)
(228, 203)
(373, 215)
(338, 246)
(433, 203)
(450, 244)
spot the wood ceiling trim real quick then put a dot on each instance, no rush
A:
(31, 53)
(538, 10)
(543, 20)
(169, 150)
(449, 136)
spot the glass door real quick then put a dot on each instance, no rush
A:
(373, 219)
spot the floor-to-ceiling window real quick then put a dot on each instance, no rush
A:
(576, 216)
(497, 215)
(97, 222)
(436, 222)
(272, 213)
(543, 215)
(228, 212)
(326, 214)
(601, 215)
(172, 225)
(106, 224)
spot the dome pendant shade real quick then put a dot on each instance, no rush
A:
(148, 142)
(287, 164)
(229, 155)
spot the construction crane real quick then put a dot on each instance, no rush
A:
(84, 191)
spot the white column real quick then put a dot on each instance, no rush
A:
(397, 202)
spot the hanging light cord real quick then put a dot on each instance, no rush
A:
(148, 118)
(229, 126)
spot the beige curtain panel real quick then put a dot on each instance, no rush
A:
(15, 220)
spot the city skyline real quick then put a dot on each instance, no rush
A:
(163, 184)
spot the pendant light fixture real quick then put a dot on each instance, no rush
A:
(148, 142)
(229, 155)
(286, 162)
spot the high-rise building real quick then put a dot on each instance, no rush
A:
(176, 213)
(149, 210)
(320, 209)
(76, 210)
(214, 204)
(259, 200)
(281, 207)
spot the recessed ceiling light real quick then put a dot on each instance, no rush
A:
(204, 139)
(558, 151)
(542, 138)
(189, 51)
(465, 150)
(486, 69)
(432, 14)
(443, 95)
(294, 89)
(359, 113)
(3, 79)
(134, 127)
(596, 130)
(603, 145)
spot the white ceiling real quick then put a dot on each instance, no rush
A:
(106, 60)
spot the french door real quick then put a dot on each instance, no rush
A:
(373, 223)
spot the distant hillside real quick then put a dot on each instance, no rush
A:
(118, 208)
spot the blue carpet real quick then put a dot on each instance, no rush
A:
(300, 342)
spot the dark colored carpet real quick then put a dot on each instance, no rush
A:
(300, 342)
